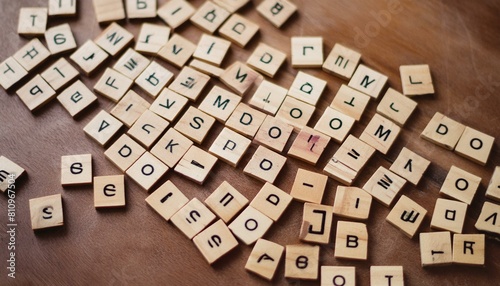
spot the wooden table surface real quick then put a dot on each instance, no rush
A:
(134, 245)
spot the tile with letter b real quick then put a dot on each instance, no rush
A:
(124, 152)
(368, 81)
(215, 241)
(89, 57)
(309, 145)
(443, 131)
(46, 212)
(147, 170)
(410, 165)
(175, 12)
(189, 83)
(380, 133)
(59, 74)
(307, 88)
(238, 30)
(192, 218)
(316, 223)
(11, 72)
(386, 275)
(76, 97)
(416, 80)
(226, 201)
(435, 248)
(461, 185)
(171, 147)
(148, 128)
(36, 93)
(266, 59)
(342, 61)
(487, 220)
(338, 275)
(352, 203)
(335, 124)
(140, 9)
(265, 165)
(167, 200)
(206, 68)
(32, 21)
(449, 215)
(168, 104)
(307, 52)
(102, 127)
(177, 51)
(195, 124)
(295, 112)
(109, 10)
(274, 133)
(469, 249)
(493, 190)
(114, 39)
(220, 103)
(131, 64)
(264, 258)
(62, 7)
(113, 85)
(384, 186)
(302, 261)
(309, 186)
(475, 145)
(8, 171)
(245, 120)
(271, 201)
(109, 191)
(268, 97)
(396, 106)
(231, 5)
(211, 49)
(76, 170)
(230, 146)
(154, 78)
(32, 54)
(407, 215)
(351, 241)
(350, 102)
(276, 11)
(152, 38)
(250, 225)
(209, 17)
(60, 39)
(130, 108)
(239, 77)
(196, 164)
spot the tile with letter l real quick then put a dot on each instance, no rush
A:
(192, 218)
(152, 38)
(32, 54)
(307, 52)
(435, 248)
(277, 17)
(11, 72)
(309, 145)
(196, 164)
(168, 104)
(351, 241)
(109, 10)
(148, 128)
(493, 190)
(211, 49)
(220, 103)
(102, 127)
(309, 186)
(109, 191)
(250, 225)
(89, 57)
(307, 88)
(352, 203)
(338, 275)
(380, 133)
(239, 77)
(443, 131)
(368, 81)
(226, 201)
(76, 169)
(350, 102)
(302, 261)
(114, 39)
(209, 17)
(461, 185)
(384, 186)
(171, 147)
(59, 74)
(167, 200)
(154, 78)
(316, 223)
(410, 165)
(384, 275)
(469, 249)
(342, 61)
(175, 12)
(396, 106)
(264, 258)
(215, 241)
(407, 215)
(124, 152)
(271, 201)
(60, 39)
(8, 171)
(274, 133)
(487, 220)
(266, 59)
(195, 124)
(189, 83)
(245, 120)
(113, 85)
(46, 212)
(147, 170)
(265, 165)
(449, 215)
(178, 50)
(32, 21)
(130, 108)
(36, 93)
(230, 146)
(475, 145)
(416, 80)
(238, 30)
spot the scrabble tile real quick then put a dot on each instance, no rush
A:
(109, 191)
(171, 147)
(226, 202)
(475, 145)
(350, 102)
(140, 9)
(147, 170)
(189, 83)
(340, 172)
(32, 54)
(215, 241)
(384, 186)
(131, 64)
(238, 30)
(76, 170)
(76, 98)
(435, 248)
(342, 61)
(102, 127)
(316, 223)
(250, 225)
(449, 215)
(309, 145)
(368, 81)
(268, 97)
(130, 108)
(46, 212)
(109, 10)
(386, 275)
(487, 220)
(271, 201)
(274, 133)
(124, 152)
(461, 185)
(307, 52)
(60, 39)
(276, 11)
(338, 275)
(32, 21)
(352, 202)
(380, 133)
(209, 17)
(206, 68)
(62, 7)
(245, 120)
(335, 124)
(167, 200)
(175, 12)
(469, 249)
(230, 146)
(308, 186)
(154, 78)
(443, 131)
(266, 59)
(59, 74)
(239, 77)
(195, 124)
(351, 241)
(152, 37)
(192, 218)
(295, 112)
(11, 72)
(265, 165)
(264, 258)
(416, 80)
(36, 93)
(302, 261)
(113, 85)
(219, 103)
(168, 104)
(211, 49)
(196, 164)
(231, 5)
(493, 190)
(410, 165)
(89, 57)
(148, 128)
(396, 107)
(307, 88)
(8, 171)
(114, 39)
(407, 215)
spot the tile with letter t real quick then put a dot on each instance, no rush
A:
(76, 98)
(220, 103)
(309, 145)
(416, 80)
(130, 108)
(178, 50)
(230, 146)
(226, 201)
(245, 120)
(140, 9)
(271, 201)
(264, 258)
(154, 78)
(342, 61)
(316, 223)
(152, 38)
(209, 17)
(384, 186)
(407, 215)
(32, 21)
(109, 191)
(46, 212)
(11, 72)
(102, 127)
(350, 102)
(59, 74)
(276, 12)
(109, 10)
(206, 68)
(211, 49)
(274, 133)
(410, 165)
(195, 124)
(124, 152)
(487, 220)
(386, 275)
(171, 147)
(60, 39)
(238, 30)
(335, 124)
(449, 215)
(460, 184)
(265, 165)
(114, 39)
(396, 106)
(475, 145)
(131, 64)
(368, 81)
(76, 170)
(113, 85)
(338, 275)
(32, 54)
(148, 128)
(307, 88)
(8, 171)
(168, 104)
(307, 52)
(215, 241)
(89, 57)
(469, 249)
(231, 5)
(167, 200)
(351, 241)
(36, 93)
(147, 170)
(175, 12)
(268, 97)
(309, 186)
(435, 248)
(380, 133)
(239, 77)
(62, 7)
(302, 261)
(443, 131)
(192, 218)
(493, 190)
(295, 112)
(189, 83)
(352, 203)
(196, 164)
(250, 225)
(266, 59)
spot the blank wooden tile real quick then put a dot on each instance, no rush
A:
(32, 21)
(209, 17)
(295, 112)
(168, 104)
(147, 170)
(215, 241)
(386, 275)
(140, 9)
(60, 39)
(238, 30)
(113, 85)
(443, 131)
(109, 10)
(342, 61)
(266, 59)
(36, 93)
(109, 191)
(89, 57)
(475, 145)
(231, 5)
(32, 54)
(435, 248)
(59, 74)
(195, 124)
(206, 68)
(62, 7)
(220, 103)
(487, 220)
(352, 202)
(239, 77)
(335, 124)
(338, 275)
(350, 102)
(274, 133)
(230, 146)
(102, 127)
(189, 83)
(268, 97)
(265, 165)
(264, 258)
(154, 78)
(152, 38)
(131, 64)
(192, 218)
(276, 12)
(309, 145)
(196, 164)
(469, 249)
(407, 215)
(148, 128)
(307, 52)
(130, 108)
(11, 72)
(76, 170)
(245, 120)
(46, 212)
(380, 133)
(416, 80)
(351, 241)
(449, 215)
(250, 225)
(167, 200)
(460, 184)
(493, 190)
(384, 186)
(396, 106)
(175, 12)
(368, 81)
(271, 201)
(316, 223)
(302, 261)
(8, 171)
(307, 88)
(410, 165)
(308, 186)
(76, 98)
(226, 201)
(124, 152)
(171, 147)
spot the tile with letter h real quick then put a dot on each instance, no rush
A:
(148, 128)
(264, 258)
(226, 201)
(246, 120)
(167, 200)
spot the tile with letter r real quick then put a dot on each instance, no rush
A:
(209, 17)
(302, 261)
(368, 81)
(309, 186)
(32, 54)
(102, 127)
(196, 164)
(215, 241)
(192, 218)
(342, 61)
(265, 165)
(167, 200)
(266, 59)
(226, 202)
(264, 258)
(407, 215)
(46, 212)
(469, 249)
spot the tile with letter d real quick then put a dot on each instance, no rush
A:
(238, 30)
(215, 241)
(109, 191)
(192, 218)
(246, 120)
(226, 201)
(264, 258)
(36, 93)
(167, 200)
(124, 152)
(449, 215)
(46, 212)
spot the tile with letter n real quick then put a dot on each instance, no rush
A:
(265, 165)
(449, 215)
(352, 203)
(276, 11)
(309, 186)
(309, 145)
(351, 241)
(493, 190)
(396, 106)
(209, 17)
(246, 120)
(335, 124)
(46, 212)
(76, 98)
(386, 275)
(11, 72)
(307, 88)
(167, 200)
(59, 74)
(215, 241)
(76, 170)
(264, 258)
(407, 215)
(384, 186)
(206, 68)
(60, 39)
(435, 248)
(410, 165)
(239, 77)
(32, 21)
(195, 124)
(175, 12)
(36, 93)
(152, 38)
(130, 108)
(109, 10)
(380, 133)
(89, 57)
(114, 39)
(302, 261)
(32, 54)
(211, 49)
(171, 147)
(154, 78)
(338, 275)
(416, 80)
(266, 59)
(250, 225)
(461, 185)
(192, 218)
(350, 102)
(469, 249)
(177, 51)
(189, 83)
(62, 7)
(368, 81)
(8, 171)
(113, 85)
(124, 152)
(274, 133)
(271, 201)
(230, 146)
(316, 223)
(148, 128)
(109, 191)
(475, 145)
(226, 201)
(487, 220)
(168, 104)
(307, 52)
(443, 131)
(295, 112)
(140, 9)
(147, 170)
(268, 97)
(238, 30)
(196, 164)
(231, 5)
(220, 103)
(342, 61)
(131, 64)
(102, 127)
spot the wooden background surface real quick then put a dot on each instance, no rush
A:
(458, 39)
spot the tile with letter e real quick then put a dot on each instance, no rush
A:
(265, 165)
(396, 106)
(36, 93)
(11, 72)
(368, 81)
(131, 64)
(271, 201)
(211, 49)
(167, 200)
(177, 51)
(109, 191)
(148, 128)
(407, 215)
(276, 11)
(171, 147)
(175, 12)
(46, 212)
(189, 83)
(220, 103)
(266, 59)
(114, 39)
(435, 248)
(295, 112)
(493, 189)
(154, 78)
(264, 258)
(274, 133)
(168, 104)
(140, 9)
(209, 17)
(443, 131)
(62, 7)
(60, 39)
(338, 275)
(59, 74)
(196, 164)
(309, 186)
(335, 124)
(230, 146)
(475, 145)
(215, 241)
(316, 223)
(351, 241)
(32, 21)
(76, 170)
(113, 85)
(449, 215)
(8, 171)
(380, 133)
(195, 124)
(342, 61)
(410, 165)
(152, 38)
(469, 249)
(461, 185)
(192, 218)
(386, 275)
(307, 88)
(245, 120)
(487, 220)
(109, 10)
(102, 127)
(268, 97)
(352, 203)
(32, 54)
(239, 77)
(206, 68)
(89, 57)
(226, 201)
(76, 98)
(309, 145)
(238, 30)
(350, 102)
(307, 52)
(416, 80)
(124, 152)
(130, 108)
(250, 225)
(384, 186)
(147, 170)
(302, 260)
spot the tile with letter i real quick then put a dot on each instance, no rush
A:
(130, 108)
(274, 133)
(250, 225)
(59, 74)
(469, 249)
(152, 38)
(131, 64)
(76, 170)
(36, 93)
(384, 186)
(351, 241)
(461, 185)
(264, 258)
(114, 39)
(226, 201)
(487, 220)
(308, 186)
(175, 12)
(238, 30)
(368, 81)
(443, 131)
(102, 127)
(109, 10)
(147, 170)
(493, 190)
(386, 275)
(32, 21)
(449, 215)
(307, 52)
(416, 80)
(215, 241)
(352, 203)
(230, 146)
(268, 97)
(266, 59)
(76, 98)
(396, 107)
(209, 17)
(246, 120)
(32, 54)
(167, 200)
(338, 275)
(60, 39)
(407, 215)
(220, 103)
(380, 133)
(113, 85)
(189, 83)
(171, 147)
(195, 124)
(168, 104)
(309, 145)
(11, 72)
(335, 124)
(342, 61)
(8, 171)
(46, 212)
(192, 218)
(435, 248)
(177, 51)
(410, 166)
(475, 145)
(109, 191)
(206, 68)
(148, 128)
(265, 165)
(124, 152)
(62, 7)
(307, 88)
(239, 77)
(350, 102)
(271, 201)
(276, 11)
(211, 49)
(295, 112)
(302, 261)
(140, 9)
(89, 57)
(316, 223)
(154, 78)
(196, 164)
(231, 5)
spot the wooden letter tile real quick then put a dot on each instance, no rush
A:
(266, 59)
(60, 39)
(443, 131)
(350, 102)
(265, 165)
(102, 127)
(307, 52)
(475, 145)
(167, 200)
(250, 225)
(32, 54)
(407, 215)
(386, 275)
(175, 12)
(338, 275)
(384, 185)
(59, 74)
(148, 128)
(276, 11)
(9, 171)
(215, 241)
(36, 93)
(206, 68)
(230, 146)
(396, 107)
(76, 170)
(309, 145)
(124, 152)
(211, 49)
(231, 5)
(449, 215)
(308, 186)
(220, 103)
(335, 124)
(380, 133)
(301, 260)
(195, 124)
(265, 258)
(11, 72)
(154, 78)
(76, 98)
(493, 190)
(307, 88)
(62, 7)
(352, 202)
(226, 202)
(168, 104)
(189, 83)
(89, 57)
(268, 97)
(316, 223)
(295, 112)
(469, 249)
(192, 218)
(109, 191)
(342, 61)
(141, 9)
(32, 21)
(274, 133)
(435, 248)
(171, 147)
(460, 185)
(368, 81)
(271, 201)
(152, 38)
(416, 80)
(245, 120)
(131, 64)
(113, 85)
(487, 220)
(351, 241)
(196, 164)
(147, 170)
(109, 10)
(238, 30)
(46, 212)
(239, 77)
(410, 166)
(130, 108)
(209, 17)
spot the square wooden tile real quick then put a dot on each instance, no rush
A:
(307, 52)
(192, 218)
(384, 186)
(407, 215)
(449, 215)
(168, 104)
(475, 145)
(443, 131)
(245, 120)
(206, 68)
(195, 124)
(76, 170)
(487, 220)
(196, 164)
(102, 127)
(177, 51)
(238, 30)
(307, 88)
(302, 261)
(274, 133)
(109, 10)
(32, 54)
(340, 172)
(113, 85)
(461, 185)
(8, 171)
(167, 200)
(154, 78)
(60, 39)
(271, 201)
(59, 74)
(266, 59)
(226, 202)
(230, 146)
(435, 248)
(335, 124)
(131, 64)
(171, 147)
(109, 191)
(350, 102)
(215, 241)
(265, 165)
(12, 72)
(189, 83)
(410, 165)
(295, 112)
(276, 12)
(351, 241)
(338, 275)
(368, 81)
(130, 108)
(209, 17)
(250, 225)
(469, 249)
(46, 212)
(308, 186)
(114, 39)
(148, 128)
(239, 77)
(62, 7)
(416, 80)
(264, 258)
(220, 103)
(76, 98)
(316, 223)
(175, 12)
(211, 49)
(147, 170)
(396, 106)
(32, 21)
(124, 152)
(380, 133)
(309, 145)
(493, 190)
(35, 93)
(89, 57)
(352, 203)
(152, 38)
(386, 275)
(342, 61)
(231, 5)
(268, 97)
(140, 9)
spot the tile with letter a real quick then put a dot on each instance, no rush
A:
(416, 80)
(352, 203)
(114, 39)
(268, 97)
(410, 165)
(36, 93)
(76, 98)
(209, 17)
(276, 11)
(239, 77)
(46, 212)
(113, 85)
(206, 68)
(295, 112)
(384, 186)
(130, 108)
(230, 146)
(147, 170)
(154, 78)
(238, 30)
(443, 131)
(342, 61)
(350, 102)
(167, 200)
(148, 128)
(62, 7)
(351, 241)
(140, 9)
(265, 165)
(89, 57)
(195, 124)
(131, 64)
(8, 171)
(264, 258)
(231, 5)
(32, 21)
(168, 104)
(109, 191)
(102, 127)
(309, 145)
(316, 223)
(368, 81)
(11, 72)
(407, 215)
(171, 147)
(246, 120)
(266, 59)
(189, 83)
(211, 49)
(475, 145)
(335, 124)
(449, 215)
(302, 260)
(309, 186)
(386, 275)
(226, 201)
(461, 185)
(250, 225)
(487, 220)
(380, 133)
(124, 152)
(220, 103)
(192, 218)
(271, 201)
(307, 88)
(469, 249)
(338, 275)
(396, 107)
(435, 248)
(307, 52)
(60, 39)
(152, 38)
(76, 170)
(196, 164)
(32, 54)
(215, 241)
(274, 133)
(59, 74)
(175, 12)
(109, 10)
(493, 190)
